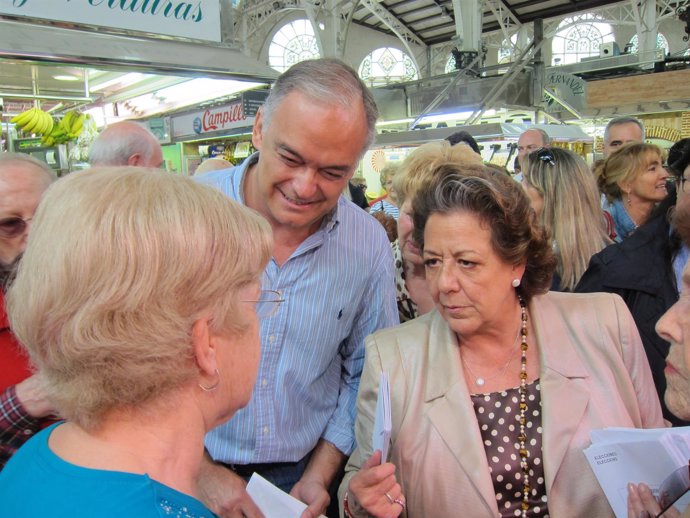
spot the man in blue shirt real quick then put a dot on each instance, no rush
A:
(333, 266)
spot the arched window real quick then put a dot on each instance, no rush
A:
(505, 51)
(387, 65)
(661, 43)
(579, 37)
(294, 42)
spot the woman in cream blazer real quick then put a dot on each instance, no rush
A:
(487, 424)
(593, 374)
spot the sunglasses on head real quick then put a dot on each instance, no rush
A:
(545, 155)
(13, 226)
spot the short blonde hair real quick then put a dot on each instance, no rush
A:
(120, 263)
(423, 163)
(624, 165)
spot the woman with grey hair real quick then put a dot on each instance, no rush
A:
(137, 300)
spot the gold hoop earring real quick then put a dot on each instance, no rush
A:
(212, 387)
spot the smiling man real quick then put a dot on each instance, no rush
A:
(299, 427)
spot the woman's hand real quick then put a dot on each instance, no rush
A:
(642, 504)
(375, 489)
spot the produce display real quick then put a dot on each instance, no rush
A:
(53, 131)
(69, 128)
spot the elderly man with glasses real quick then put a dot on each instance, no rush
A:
(23, 407)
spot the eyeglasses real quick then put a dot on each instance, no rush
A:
(545, 155)
(14, 226)
(673, 488)
(268, 303)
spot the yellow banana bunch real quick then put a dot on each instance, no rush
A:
(72, 123)
(34, 120)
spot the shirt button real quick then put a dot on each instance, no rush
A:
(271, 339)
(265, 430)
(264, 382)
(28, 432)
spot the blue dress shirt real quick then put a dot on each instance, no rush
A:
(338, 288)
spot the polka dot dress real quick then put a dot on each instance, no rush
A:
(498, 415)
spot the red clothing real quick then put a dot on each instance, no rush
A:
(14, 362)
(16, 425)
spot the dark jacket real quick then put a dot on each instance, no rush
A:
(640, 270)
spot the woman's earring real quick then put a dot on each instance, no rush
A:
(515, 283)
(211, 388)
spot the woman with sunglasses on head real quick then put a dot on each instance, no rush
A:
(137, 299)
(493, 394)
(645, 270)
(24, 409)
(564, 195)
(633, 178)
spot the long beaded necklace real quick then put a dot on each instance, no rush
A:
(522, 391)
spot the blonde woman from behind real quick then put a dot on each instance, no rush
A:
(564, 195)
(137, 300)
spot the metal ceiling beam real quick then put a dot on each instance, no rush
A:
(462, 74)
(561, 10)
(40, 43)
(522, 61)
(396, 26)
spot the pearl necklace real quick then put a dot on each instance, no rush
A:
(522, 391)
(480, 381)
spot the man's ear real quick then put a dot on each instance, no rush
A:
(204, 346)
(257, 129)
(134, 159)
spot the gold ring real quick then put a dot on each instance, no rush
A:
(390, 498)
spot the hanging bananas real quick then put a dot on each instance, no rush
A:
(72, 123)
(67, 129)
(34, 121)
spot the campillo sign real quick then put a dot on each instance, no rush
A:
(227, 118)
(198, 19)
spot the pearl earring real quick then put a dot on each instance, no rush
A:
(515, 283)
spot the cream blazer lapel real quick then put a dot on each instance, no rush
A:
(451, 412)
(564, 392)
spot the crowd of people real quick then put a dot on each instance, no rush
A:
(164, 338)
